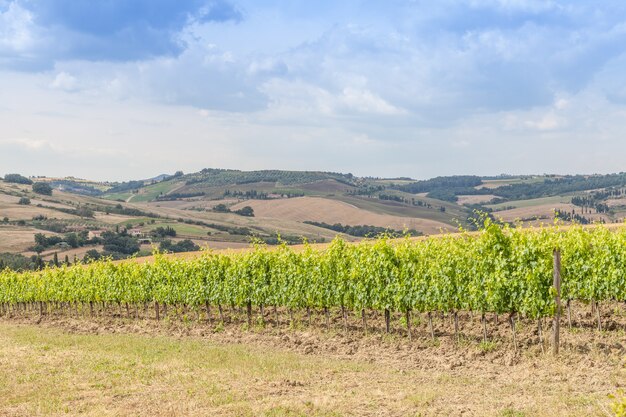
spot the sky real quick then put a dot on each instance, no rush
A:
(128, 89)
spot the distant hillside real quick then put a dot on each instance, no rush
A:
(218, 177)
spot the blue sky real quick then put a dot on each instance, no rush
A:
(119, 89)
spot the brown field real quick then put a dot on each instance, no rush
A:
(544, 211)
(16, 212)
(112, 219)
(331, 211)
(17, 239)
(114, 365)
(326, 186)
(78, 252)
(475, 199)
(616, 202)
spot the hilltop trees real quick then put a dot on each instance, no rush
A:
(17, 179)
(42, 188)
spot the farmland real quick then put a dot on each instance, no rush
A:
(417, 326)
(290, 204)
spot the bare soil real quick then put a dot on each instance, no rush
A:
(448, 375)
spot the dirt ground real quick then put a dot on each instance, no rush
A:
(278, 369)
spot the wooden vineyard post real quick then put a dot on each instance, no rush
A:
(557, 302)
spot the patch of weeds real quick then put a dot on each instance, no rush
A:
(260, 323)
(436, 342)
(463, 340)
(422, 399)
(488, 346)
(511, 412)
(619, 404)
(219, 327)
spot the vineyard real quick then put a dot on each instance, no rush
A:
(498, 271)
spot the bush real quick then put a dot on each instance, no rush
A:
(221, 208)
(164, 231)
(42, 188)
(182, 246)
(24, 201)
(17, 179)
(246, 211)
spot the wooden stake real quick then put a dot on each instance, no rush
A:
(408, 324)
(262, 312)
(484, 320)
(569, 314)
(387, 320)
(327, 315)
(364, 320)
(512, 322)
(557, 302)
(430, 325)
(540, 334)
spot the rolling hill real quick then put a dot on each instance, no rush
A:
(209, 207)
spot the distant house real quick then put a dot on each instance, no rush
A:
(135, 232)
(95, 233)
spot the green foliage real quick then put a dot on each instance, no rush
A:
(246, 211)
(499, 270)
(219, 177)
(619, 404)
(17, 179)
(24, 201)
(221, 208)
(163, 232)
(119, 243)
(186, 245)
(363, 230)
(42, 188)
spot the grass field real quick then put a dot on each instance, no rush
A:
(87, 368)
(332, 211)
(531, 203)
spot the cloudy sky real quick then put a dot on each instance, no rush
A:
(120, 89)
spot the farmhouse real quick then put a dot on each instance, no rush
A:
(95, 233)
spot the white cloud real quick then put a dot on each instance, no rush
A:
(16, 29)
(64, 81)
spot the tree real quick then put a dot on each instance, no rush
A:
(164, 231)
(72, 240)
(245, 211)
(84, 211)
(17, 179)
(24, 201)
(55, 259)
(92, 255)
(182, 246)
(221, 208)
(42, 188)
(5, 220)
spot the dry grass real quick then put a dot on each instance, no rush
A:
(17, 239)
(331, 211)
(475, 199)
(102, 369)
